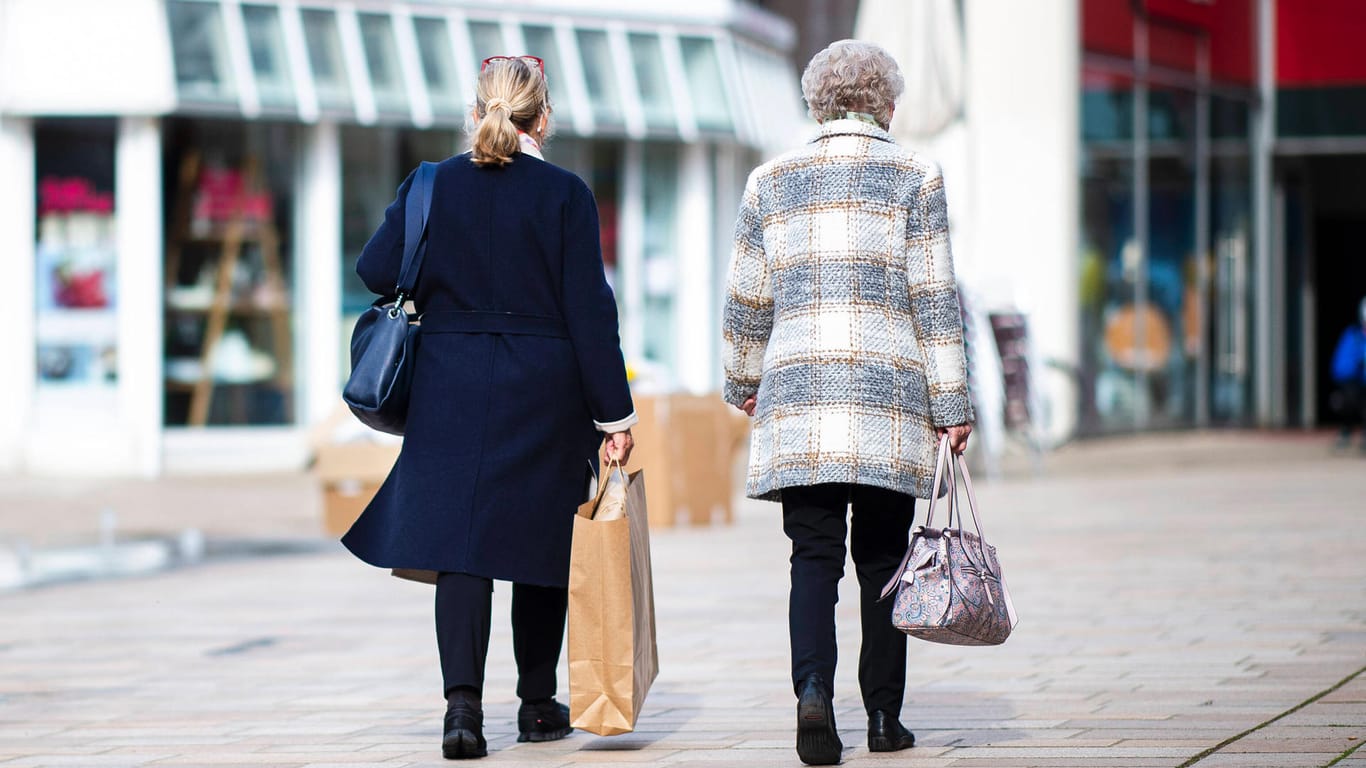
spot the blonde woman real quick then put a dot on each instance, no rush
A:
(844, 341)
(519, 376)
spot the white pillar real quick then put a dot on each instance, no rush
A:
(695, 355)
(318, 253)
(1264, 137)
(16, 253)
(138, 203)
(1022, 109)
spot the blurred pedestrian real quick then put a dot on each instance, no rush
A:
(843, 340)
(519, 370)
(1349, 380)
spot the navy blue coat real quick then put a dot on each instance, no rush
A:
(518, 355)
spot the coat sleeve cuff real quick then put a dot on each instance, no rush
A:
(950, 409)
(736, 393)
(620, 425)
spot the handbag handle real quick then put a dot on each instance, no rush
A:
(416, 212)
(944, 459)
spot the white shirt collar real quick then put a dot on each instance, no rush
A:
(529, 146)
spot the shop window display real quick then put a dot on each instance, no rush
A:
(229, 345)
(76, 255)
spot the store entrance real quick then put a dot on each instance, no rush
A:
(1332, 236)
(1340, 256)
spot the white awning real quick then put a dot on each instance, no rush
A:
(416, 63)
(85, 57)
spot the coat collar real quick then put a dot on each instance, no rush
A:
(849, 127)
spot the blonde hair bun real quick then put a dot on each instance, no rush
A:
(510, 96)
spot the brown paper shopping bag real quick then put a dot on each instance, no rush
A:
(612, 654)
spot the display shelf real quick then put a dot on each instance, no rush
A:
(235, 349)
(77, 326)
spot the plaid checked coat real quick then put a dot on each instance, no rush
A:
(842, 316)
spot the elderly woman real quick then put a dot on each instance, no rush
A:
(843, 340)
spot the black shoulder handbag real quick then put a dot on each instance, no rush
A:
(384, 342)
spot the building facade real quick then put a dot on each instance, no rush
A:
(1165, 188)
(187, 185)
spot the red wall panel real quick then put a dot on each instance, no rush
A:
(1322, 42)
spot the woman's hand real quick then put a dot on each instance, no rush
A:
(958, 436)
(617, 448)
(748, 406)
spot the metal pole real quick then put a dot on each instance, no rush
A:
(1140, 212)
(1202, 235)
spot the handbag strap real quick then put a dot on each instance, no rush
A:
(416, 210)
(940, 462)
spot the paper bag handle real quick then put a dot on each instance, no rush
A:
(590, 512)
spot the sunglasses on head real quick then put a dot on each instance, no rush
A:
(530, 60)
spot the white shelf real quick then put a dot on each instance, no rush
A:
(83, 327)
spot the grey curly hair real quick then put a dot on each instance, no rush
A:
(852, 76)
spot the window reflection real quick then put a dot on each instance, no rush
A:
(540, 41)
(381, 56)
(486, 39)
(599, 76)
(647, 57)
(325, 58)
(199, 45)
(266, 41)
(706, 84)
(438, 66)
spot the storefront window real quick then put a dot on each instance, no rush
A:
(76, 255)
(1109, 270)
(202, 68)
(1166, 288)
(540, 41)
(438, 67)
(647, 56)
(660, 262)
(325, 58)
(381, 56)
(706, 84)
(599, 73)
(1171, 344)
(229, 339)
(266, 41)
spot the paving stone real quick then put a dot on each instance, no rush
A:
(1148, 635)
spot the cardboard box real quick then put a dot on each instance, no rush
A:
(351, 462)
(343, 502)
(687, 444)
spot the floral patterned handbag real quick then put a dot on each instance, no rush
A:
(949, 587)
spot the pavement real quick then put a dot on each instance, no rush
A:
(1184, 600)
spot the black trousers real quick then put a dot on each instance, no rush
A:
(814, 519)
(464, 607)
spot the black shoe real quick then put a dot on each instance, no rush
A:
(543, 720)
(464, 736)
(818, 743)
(886, 734)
